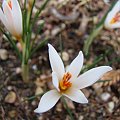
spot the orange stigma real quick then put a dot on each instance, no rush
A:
(9, 3)
(65, 82)
(116, 18)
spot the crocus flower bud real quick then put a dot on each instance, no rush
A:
(113, 18)
(11, 17)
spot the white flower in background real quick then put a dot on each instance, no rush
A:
(67, 82)
(11, 17)
(113, 18)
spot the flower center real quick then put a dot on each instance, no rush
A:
(9, 3)
(65, 83)
(116, 18)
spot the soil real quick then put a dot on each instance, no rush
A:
(76, 21)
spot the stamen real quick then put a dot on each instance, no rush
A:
(10, 4)
(116, 18)
(65, 82)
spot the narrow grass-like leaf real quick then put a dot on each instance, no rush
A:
(67, 108)
(38, 32)
(113, 61)
(33, 97)
(13, 44)
(39, 46)
(30, 15)
(24, 25)
(96, 61)
(39, 11)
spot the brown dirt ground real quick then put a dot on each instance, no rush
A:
(72, 34)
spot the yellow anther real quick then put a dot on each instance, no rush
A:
(65, 82)
(116, 18)
(9, 3)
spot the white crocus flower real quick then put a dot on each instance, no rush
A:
(113, 18)
(67, 82)
(11, 17)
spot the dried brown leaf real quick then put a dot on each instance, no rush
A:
(111, 78)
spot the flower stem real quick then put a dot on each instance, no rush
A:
(67, 108)
(25, 72)
(25, 65)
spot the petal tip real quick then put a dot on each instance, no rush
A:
(85, 101)
(49, 45)
(108, 68)
(80, 52)
(36, 110)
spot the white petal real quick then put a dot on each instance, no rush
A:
(2, 17)
(91, 76)
(55, 81)
(9, 19)
(111, 15)
(115, 25)
(56, 62)
(17, 16)
(47, 101)
(5, 21)
(76, 65)
(116, 8)
(108, 25)
(76, 95)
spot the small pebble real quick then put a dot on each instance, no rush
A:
(111, 106)
(118, 39)
(43, 76)
(115, 99)
(105, 96)
(3, 54)
(12, 114)
(9, 88)
(33, 35)
(39, 90)
(19, 46)
(33, 103)
(65, 56)
(70, 104)
(40, 22)
(18, 70)
(40, 117)
(95, 20)
(86, 92)
(59, 107)
(34, 67)
(107, 2)
(55, 31)
(81, 117)
(11, 97)
(97, 88)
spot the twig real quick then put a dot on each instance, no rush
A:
(72, 17)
